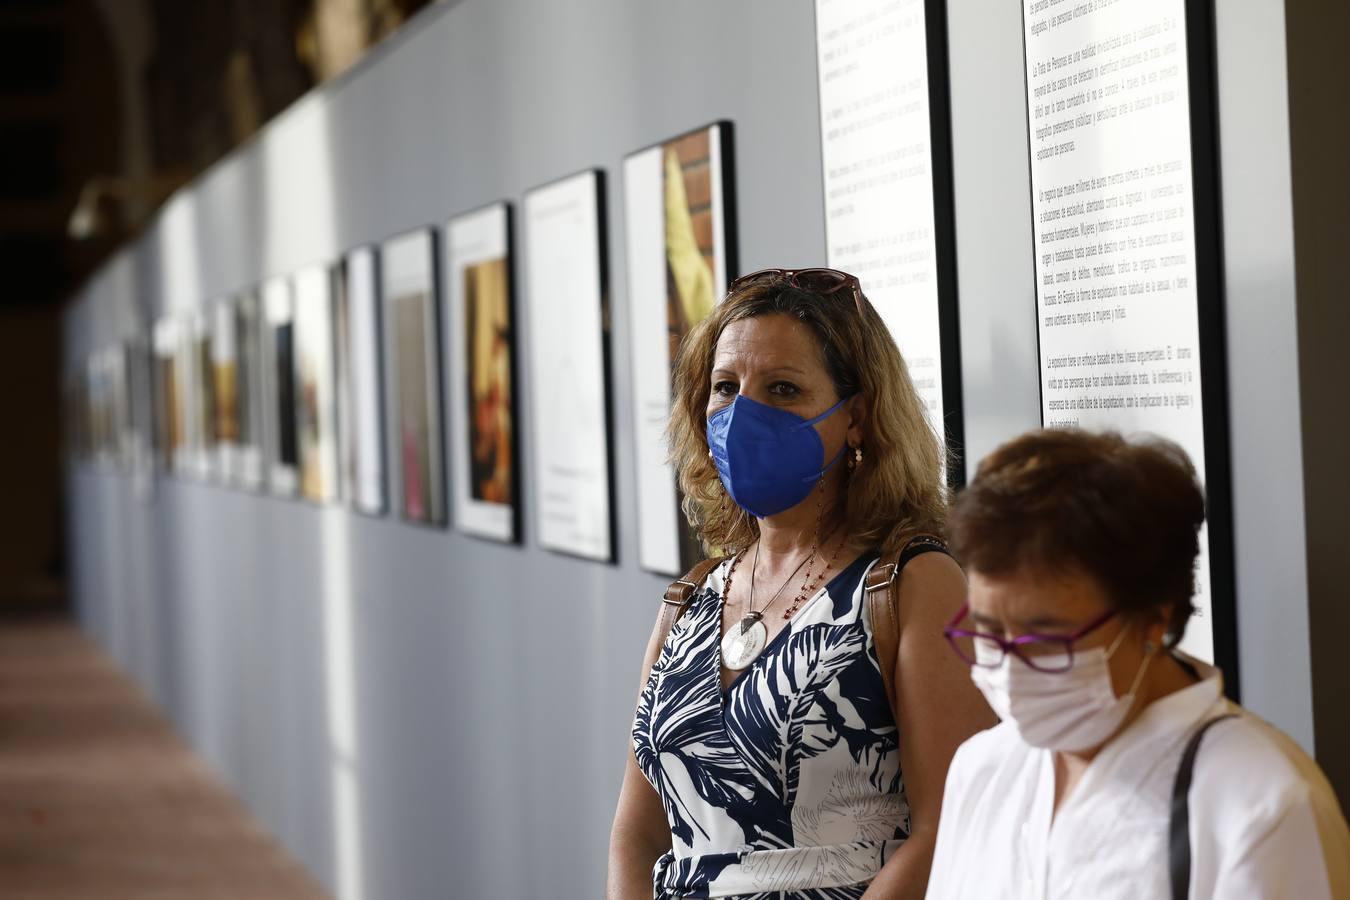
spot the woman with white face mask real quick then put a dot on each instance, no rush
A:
(1081, 551)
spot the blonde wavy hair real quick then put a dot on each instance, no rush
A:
(897, 491)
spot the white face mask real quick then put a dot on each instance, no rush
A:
(1069, 711)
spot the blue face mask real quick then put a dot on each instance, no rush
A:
(768, 458)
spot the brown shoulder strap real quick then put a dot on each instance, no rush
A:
(881, 586)
(681, 591)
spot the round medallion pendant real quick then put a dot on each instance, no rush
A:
(742, 643)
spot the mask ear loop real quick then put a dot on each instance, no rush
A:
(1143, 666)
(826, 414)
(842, 450)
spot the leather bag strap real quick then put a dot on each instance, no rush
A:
(1179, 826)
(882, 587)
(681, 591)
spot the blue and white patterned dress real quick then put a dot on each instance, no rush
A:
(788, 786)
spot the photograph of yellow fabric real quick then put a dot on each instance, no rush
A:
(678, 202)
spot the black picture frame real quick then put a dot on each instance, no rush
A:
(689, 550)
(606, 353)
(944, 237)
(517, 481)
(341, 294)
(1207, 222)
(438, 494)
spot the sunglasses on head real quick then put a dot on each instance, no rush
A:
(825, 282)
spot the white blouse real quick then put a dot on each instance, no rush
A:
(1264, 821)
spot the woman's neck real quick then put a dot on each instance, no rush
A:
(1167, 677)
(793, 532)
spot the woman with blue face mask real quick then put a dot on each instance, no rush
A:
(1120, 770)
(787, 744)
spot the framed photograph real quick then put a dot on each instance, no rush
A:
(201, 395)
(408, 274)
(479, 326)
(75, 427)
(282, 442)
(138, 442)
(1126, 238)
(170, 402)
(247, 467)
(224, 374)
(316, 391)
(678, 205)
(360, 398)
(569, 362)
(885, 123)
(120, 375)
(102, 407)
(139, 415)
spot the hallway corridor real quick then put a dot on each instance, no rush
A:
(100, 799)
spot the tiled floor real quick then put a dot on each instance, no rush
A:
(98, 797)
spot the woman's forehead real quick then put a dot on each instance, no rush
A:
(1031, 595)
(773, 341)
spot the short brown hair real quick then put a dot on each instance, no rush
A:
(1127, 513)
(898, 491)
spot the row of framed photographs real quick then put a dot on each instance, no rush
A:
(293, 386)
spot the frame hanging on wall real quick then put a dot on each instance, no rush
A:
(1129, 294)
(679, 202)
(201, 396)
(167, 383)
(885, 121)
(567, 308)
(278, 343)
(412, 316)
(248, 456)
(480, 323)
(316, 391)
(358, 346)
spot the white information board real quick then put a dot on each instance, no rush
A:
(876, 149)
(1114, 227)
(565, 300)
(360, 401)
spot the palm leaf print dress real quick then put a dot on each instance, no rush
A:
(786, 787)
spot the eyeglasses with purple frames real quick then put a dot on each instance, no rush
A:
(1032, 649)
(817, 281)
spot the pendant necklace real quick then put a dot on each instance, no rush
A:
(746, 639)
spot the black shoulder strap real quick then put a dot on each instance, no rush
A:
(1179, 827)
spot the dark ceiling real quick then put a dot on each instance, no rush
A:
(149, 92)
(107, 106)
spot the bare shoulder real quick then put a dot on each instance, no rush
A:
(935, 570)
(932, 586)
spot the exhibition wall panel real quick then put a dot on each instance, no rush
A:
(451, 713)
(418, 713)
